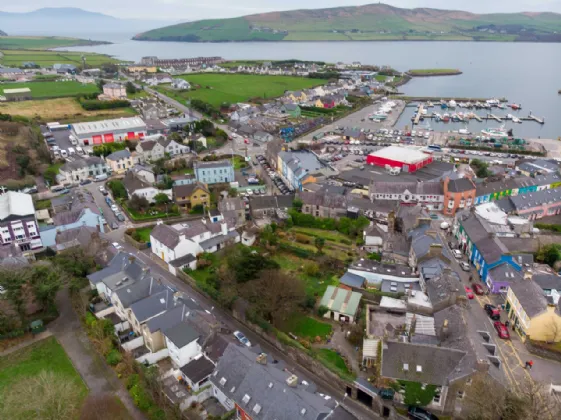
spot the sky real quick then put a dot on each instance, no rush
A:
(182, 10)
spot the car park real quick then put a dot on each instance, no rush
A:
(493, 312)
(242, 338)
(502, 330)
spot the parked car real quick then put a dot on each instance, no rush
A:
(465, 266)
(493, 312)
(478, 289)
(114, 225)
(502, 330)
(86, 182)
(108, 201)
(120, 217)
(114, 208)
(117, 246)
(469, 293)
(242, 338)
(419, 413)
(457, 254)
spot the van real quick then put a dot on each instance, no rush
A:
(64, 153)
(71, 151)
(101, 177)
(80, 151)
(73, 140)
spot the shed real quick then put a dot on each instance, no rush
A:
(342, 304)
(21, 94)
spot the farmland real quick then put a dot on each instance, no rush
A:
(41, 90)
(16, 58)
(231, 88)
(42, 42)
(64, 110)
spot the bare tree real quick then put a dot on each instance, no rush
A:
(539, 403)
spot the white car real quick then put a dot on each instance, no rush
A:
(249, 191)
(101, 188)
(457, 254)
(117, 246)
(242, 338)
(465, 266)
(114, 208)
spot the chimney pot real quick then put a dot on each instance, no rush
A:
(262, 359)
(292, 381)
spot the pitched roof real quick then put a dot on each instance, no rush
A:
(118, 155)
(133, 183)
(153, 305)
(212, 164)
(333, 201)
(187, 190)
(460, 185)
(388, 187)
(114, 266)
(548, 281)
(147, 145)
(167, 235)
(168, 319)
(531, 297)
(231, 204)
(341, 300)
(15, 204)
(352, 280)
(141, 289)
(181, 334)
(442, 286)
(198, 369)
(420, 363)
(263, 202)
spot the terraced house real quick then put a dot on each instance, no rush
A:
(301, 167)
(218, 172)
(492, 191)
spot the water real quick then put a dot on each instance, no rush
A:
(524, 73)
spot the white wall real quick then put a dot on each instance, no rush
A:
(133, 344)
(377, 278)
(182, 356)
(226, 402)
(152, 358)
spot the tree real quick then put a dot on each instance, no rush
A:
(50, 174)
(549, 254)
(275, 294)
(319, 243)
(117, 188)
(246, 265)
(161, 198)
(322, 310)
(481, 168)
(131, 88)
(138, 203)
(297, 204)
(268, 236)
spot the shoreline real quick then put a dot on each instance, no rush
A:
(434, 74)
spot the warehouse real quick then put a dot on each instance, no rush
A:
(109, 131)
(22, 94)
(408, 160)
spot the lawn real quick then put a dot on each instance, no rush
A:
(64, 110)
(233, 88)
(144, 233)
(47, 58)
(306, 327)
(42, 204)
(46, 355)
(333, 361)
(53, 89)
(328, 235)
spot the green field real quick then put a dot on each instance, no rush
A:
(16, 58)
(41, 42)
(42, 90)
(19, 367)
(432, 72)
(234, 88)
(144, 233)
(305, 327)
(335, 362)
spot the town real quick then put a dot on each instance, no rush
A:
(270, 240)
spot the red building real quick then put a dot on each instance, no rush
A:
(409, 160)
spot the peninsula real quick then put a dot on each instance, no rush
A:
(373, 22)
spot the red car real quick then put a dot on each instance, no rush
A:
(478, 289)
(502, 330)
(246, 141)
(469, 293)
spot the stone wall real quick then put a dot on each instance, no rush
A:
(138, 245)
(538, 350)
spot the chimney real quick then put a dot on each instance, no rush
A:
(262, 359)
(528, 275)
(292, 381)
(444, 330)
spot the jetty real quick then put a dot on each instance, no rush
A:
(536, 119)
(476, 117)
(494, 117)
(419, 114)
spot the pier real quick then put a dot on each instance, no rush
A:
(418, 117)
(534, 118)
(476, 117)
(419, 114)
(494, 117)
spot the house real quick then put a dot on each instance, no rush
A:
(172, 147)
(291, 109)
(113, 91)
(426, 244)
(269, 205)
(144, 172)
(342, 304)
(180, 84)
(121, 161)
(153, 330)
(214, 172)
(375, 272)
(297, 96)
(532, 314)
(183, 179)
(153, 111)
(323, 204)
(491, 191)
(428, 194)
(182, 341)
(443, 289)
(197, 138)
(458, 194)
(301, 167)
(533, 205)
(78, 169)
(109, 131)
(21, 94)
(258, 389)
(148, 308)
(537, 167)
(235, 205)
(135, 184)
(328, 103)
(65, 68)
(85, 237)
(550, 283)
(501, 277)
(150, 150)
(373, 237)
(18, 224)
(194, 237)
(191, 195)
(81, 210)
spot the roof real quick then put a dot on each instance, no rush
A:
(198, 369)
(167, 235)
(505, 272)
(324, 199)
(213, 164)
(491, 249)
(231, 204)
(115, 265)
(443, 286)
(107, 126)
(460, 185)
(390, 286)
(419, 362)
(422, 239)
(352, 280)
(181, 334)
(373, 266)
(401, 154)
(133, 182)
(153, 305)
(182, 261)
(263, 202)
(81, 162)
(10, 70)
(302, 163)
(16, 204)
(144, 287)
(526, 201)
(118, 155)
(187, 190)
(147, 145)
(168, 319)
(388, 187)
(216, 240)
(20, 90)
(548, 281)
(530, 296)
(341, 300)
(269, 397)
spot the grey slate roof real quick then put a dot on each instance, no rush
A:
(114, 266)
(198, 369)
(387, 286)
(441, 287)
(437, 363)
(212, 165)
(181, 334)
(244, 376)
(232, 203)
(352, 280)
(141, 289)
(548, 281)
(166, 235)
(181, 261)
(505, 272)
(534, 199)
(168, 319)
(422, 240)
(209, 243)
(180, 191)
(491, 249)
(133, 183)
(334, 201)
(118, 155)
(373, 266)
(531, 297)
(152, 305)
(460, 185)
(264, 202)
(388, 187)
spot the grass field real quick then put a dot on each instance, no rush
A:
(53, 89)
(305, 327)
(144, 233)
(40, 42)
(335, 362)
(16, 58)
(234, 88)
(64, 110)
(46, 355)
(432, 72)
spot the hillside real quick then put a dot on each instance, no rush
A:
(363, 23)
(2, 33)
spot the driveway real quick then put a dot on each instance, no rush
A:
(98, 377)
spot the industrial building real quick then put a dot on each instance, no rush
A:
(408, 160)
(21, 94)
(109, 131)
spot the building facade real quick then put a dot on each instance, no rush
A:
(459, 194)
(217, 172)
(18, 225)
(109, 131)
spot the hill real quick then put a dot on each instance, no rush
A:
(69, 21)
(2, 33)
(363, 23)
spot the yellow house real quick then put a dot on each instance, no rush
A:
(298, 96)
(318, 103)
(142, 69)
(531, 313)
(191, 195)
(120, 161)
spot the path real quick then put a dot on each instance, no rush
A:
(99, 377)
(38, 337)
(340, 344)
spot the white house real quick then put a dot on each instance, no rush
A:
(180, 84)
(136, 185)
(172, 147)
(150, 150)
(182, 341)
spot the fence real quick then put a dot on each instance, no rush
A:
(133, 344)
(152, 358)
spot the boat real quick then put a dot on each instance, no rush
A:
(495, 132)
(452, 104)
(455, 117)
(437, 117)
(500, 106)
(429, 104)
(469, 105)
(516, 120)
(515, 107)
(444, 105)
(464, 131)
(446, 117)
(493, 102)
(509, 116)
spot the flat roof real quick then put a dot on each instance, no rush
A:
(131, 123)
(20, 90)
(402, 154)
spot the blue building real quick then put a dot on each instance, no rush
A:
(301, 167)
(491, 191)
(217, 172)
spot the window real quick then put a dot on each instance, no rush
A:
(461, 394)
(419, 368)
(406, 366)
(436, 399)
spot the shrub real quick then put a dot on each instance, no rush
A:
(322, 310)
(114, 357)
(311, 269)
(346, 241)
(303, 239)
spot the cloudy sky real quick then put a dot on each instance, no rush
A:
(201, 9)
